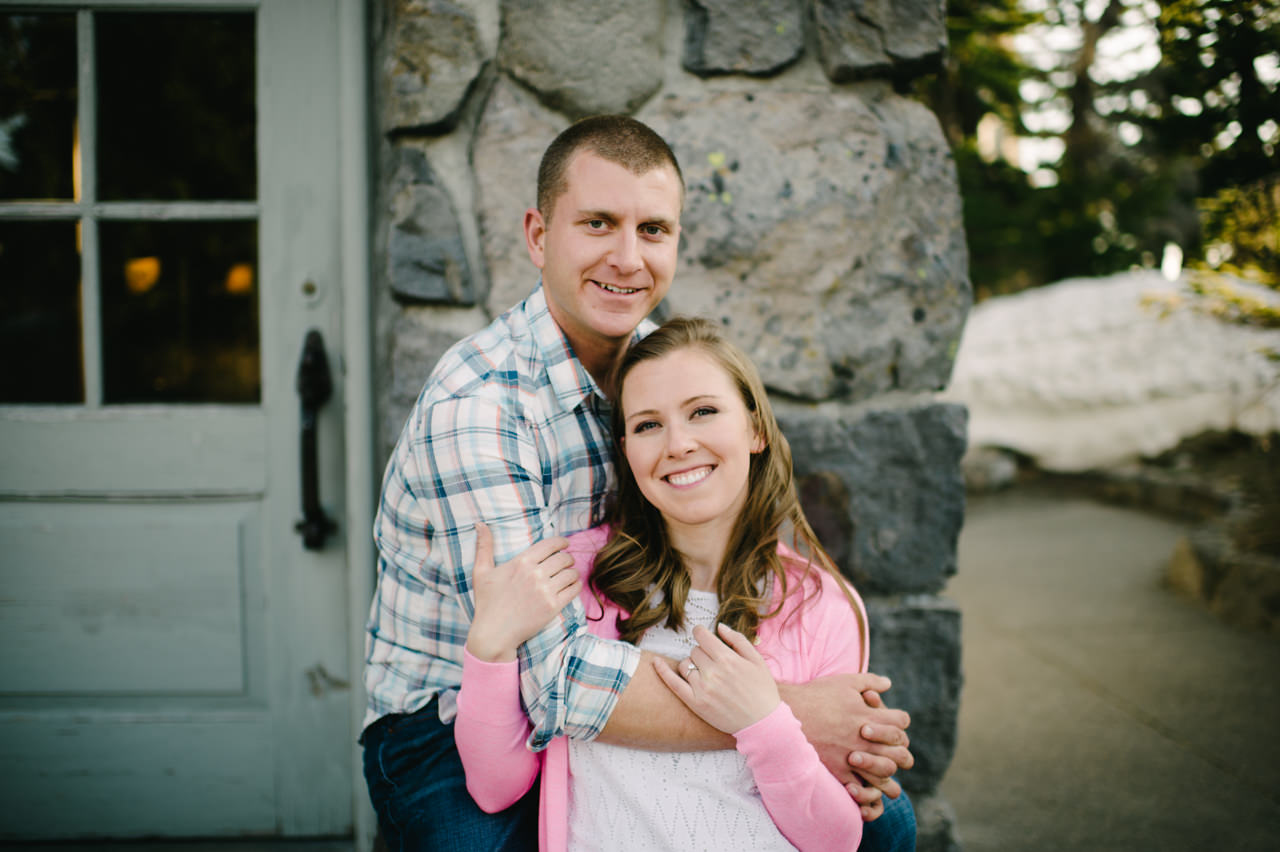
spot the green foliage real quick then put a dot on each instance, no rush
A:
(1242, 230)
(982, 73)
(1182, 153)
(1209, 103)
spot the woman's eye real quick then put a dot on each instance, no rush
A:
(644, 426)
(703, 411)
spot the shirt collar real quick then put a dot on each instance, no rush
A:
(570, 381)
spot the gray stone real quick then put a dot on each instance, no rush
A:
(426, 258)
(988, 469)
(742, 36)
(859, 39)
(584, 57)
(916, 644)
(511, 135)
(433, 56)
(882, 489)
(824, 229)
(935, 824)
(1241, 587)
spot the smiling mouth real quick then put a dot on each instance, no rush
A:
(613, 288)
(689, 477)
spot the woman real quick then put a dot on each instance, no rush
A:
(691, 567)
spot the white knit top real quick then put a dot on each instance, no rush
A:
(626, 799)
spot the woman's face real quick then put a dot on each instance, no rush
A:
(688, 438)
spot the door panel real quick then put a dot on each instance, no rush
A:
(119, 451)
(139, 774)
(173, 662)
(111, 600)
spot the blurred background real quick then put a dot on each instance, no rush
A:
(1119, 569)
(1130, 132)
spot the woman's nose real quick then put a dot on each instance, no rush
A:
(679, 441)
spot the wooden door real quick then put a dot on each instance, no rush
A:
(173, 658)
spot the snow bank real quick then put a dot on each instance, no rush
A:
(1085, 374)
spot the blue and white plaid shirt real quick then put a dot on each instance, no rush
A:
(510, 429)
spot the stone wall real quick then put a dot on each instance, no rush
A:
(822, 227)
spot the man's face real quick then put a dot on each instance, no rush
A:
(608, 252)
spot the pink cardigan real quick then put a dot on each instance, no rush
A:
(810, 807)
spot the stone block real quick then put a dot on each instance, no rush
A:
(882, 488)
(425, 255)
(824, 230)
(915, 642)
(584, 57)
(1185, 572)
(861, 39)
(513, 131)
(935, 824)
(757, 37)
(433, 56)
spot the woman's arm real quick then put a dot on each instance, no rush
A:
(808, 805)
(513, 601)
(490, 731)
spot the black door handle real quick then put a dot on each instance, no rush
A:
(315, 386)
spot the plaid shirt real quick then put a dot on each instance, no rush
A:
(512, 430)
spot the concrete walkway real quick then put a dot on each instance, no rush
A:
(1100, 710)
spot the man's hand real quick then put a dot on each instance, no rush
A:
(870, 800)
(856, 736)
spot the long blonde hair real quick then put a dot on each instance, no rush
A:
(640, 570)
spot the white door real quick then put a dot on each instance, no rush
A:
(173, 656)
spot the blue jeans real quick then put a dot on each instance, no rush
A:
(419, 792)
(894, 831)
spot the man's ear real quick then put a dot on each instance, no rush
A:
(535, 236)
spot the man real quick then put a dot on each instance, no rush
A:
(512, 430)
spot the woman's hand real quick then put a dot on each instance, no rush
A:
(516, 599)
(726, 683)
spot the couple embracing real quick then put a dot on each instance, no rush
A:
(601, 618)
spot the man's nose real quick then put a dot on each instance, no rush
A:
(625, 256)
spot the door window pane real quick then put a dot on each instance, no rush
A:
(179, 312)
(37, 105)
(39, 313)
(176, 114)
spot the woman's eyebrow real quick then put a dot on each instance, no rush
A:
(649, 412)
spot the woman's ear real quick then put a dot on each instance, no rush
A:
(758, 445)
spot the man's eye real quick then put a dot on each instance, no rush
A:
(596, 224)
(651, 230)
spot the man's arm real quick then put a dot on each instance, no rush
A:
(836, 716)
(649, 716)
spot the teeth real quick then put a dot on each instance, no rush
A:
(689, 477)
(624, 291)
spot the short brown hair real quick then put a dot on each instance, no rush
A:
(617, 138)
